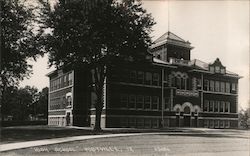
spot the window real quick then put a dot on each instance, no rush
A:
(124, 100)
(211, 106)
(155, 102)
(155, 123)
(147, 102)
(132, 76)
(211, 86)
(211, 123)
(227, 87)
(147, 123)
(140, 77)
(222, 71)
(166, 103)
(216, 123)
(206, 85)
(233, 86)
(206, 122)
(131, 101)
(217, 69)
(227, 123)
(132, 122)
(198, 83)
(211, 69)
(222, 86)
(221, 124)
(217, 86)
(222, 104)
(206, 104)
(216, 106)
(140, 122)
(70, 78)
(139, 102)
(148, 78)
(178, 83)
(183, 83)
(227, 107)
(156, 79)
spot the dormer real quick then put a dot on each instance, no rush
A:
(217, 67)
(170, 46)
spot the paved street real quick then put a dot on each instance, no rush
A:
(204, 143)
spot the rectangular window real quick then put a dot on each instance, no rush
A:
(217, 86)
(233, 87)
(227, 107)
(156, 79)
(211, 88)
(222, 105)
(198, 83)
(221, 124)
(147, 123)
(183, 83)
(206, 105)
(178, 83)
(227, 123)
(132, 101)
(167, 104)
(222, 87)
(211, 106)
(211, 123)
(216, 106)
(132, 76)
(227, 87)
(155, 123)
(140, 77)
(155, 102)
(211, 69)
(216, 123)
(147, 102)
(206, 85)
(139, 102)
(124, 100)
(132, 122)
(206, 122)
(148, 78)
(139, 122)
(70, 78)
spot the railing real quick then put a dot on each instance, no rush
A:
(179, 61)
(188, 93)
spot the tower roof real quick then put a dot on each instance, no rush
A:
(171, 38)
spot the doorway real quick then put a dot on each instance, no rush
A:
(187, 120)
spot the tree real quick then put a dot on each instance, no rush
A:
(92, 32)
(19, 102)
(244, 118)
(19, 42)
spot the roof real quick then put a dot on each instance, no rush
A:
(196, 65)
(171, 38)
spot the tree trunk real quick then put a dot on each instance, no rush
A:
(98, 115)
(98, 78)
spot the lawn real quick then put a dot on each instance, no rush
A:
(30, 133)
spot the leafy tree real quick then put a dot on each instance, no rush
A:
(19, 42)
(244, 118)
(19, 102)
(40, 106)
(92, 32)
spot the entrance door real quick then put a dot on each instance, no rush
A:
(68, 119)
(187, 121)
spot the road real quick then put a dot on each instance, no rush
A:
(207, 143)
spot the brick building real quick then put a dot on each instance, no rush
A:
(166, 90)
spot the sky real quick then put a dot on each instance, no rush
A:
(214, 28)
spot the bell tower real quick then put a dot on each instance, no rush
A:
(170, 46)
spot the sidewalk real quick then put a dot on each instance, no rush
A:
(27, 144)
